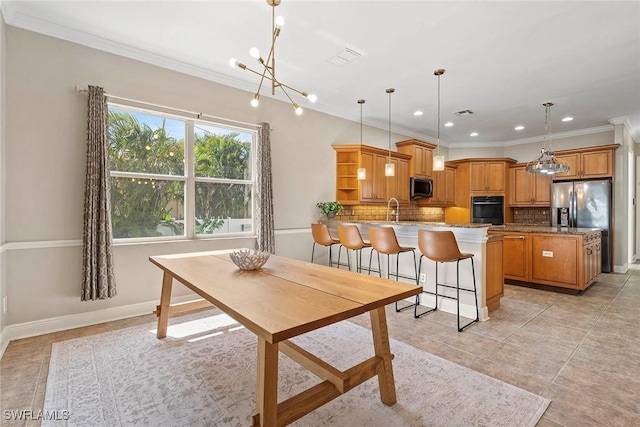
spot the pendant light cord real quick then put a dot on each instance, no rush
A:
(389, 92)
(438, 114)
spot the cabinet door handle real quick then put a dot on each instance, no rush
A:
(514, 237)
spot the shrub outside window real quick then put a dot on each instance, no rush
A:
(174, 177)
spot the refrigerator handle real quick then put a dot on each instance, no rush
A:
(572, 210)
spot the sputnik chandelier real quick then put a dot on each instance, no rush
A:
(269, 65)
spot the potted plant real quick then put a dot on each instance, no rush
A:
(330, 209)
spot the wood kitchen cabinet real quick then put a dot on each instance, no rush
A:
(474, 177)
(376, 188)
(584, 163)
(528, 189)
(567, 260)
(421, 163)
(488, 177)
(516, 256)
(444, 188)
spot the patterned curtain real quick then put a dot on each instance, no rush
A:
(264, 192)
(98, 280)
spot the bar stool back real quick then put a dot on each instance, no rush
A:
(441, 246)
(384, 241)
(350, 238)
(321, 236)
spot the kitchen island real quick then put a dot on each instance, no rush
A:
(555, 256)
(471, 238)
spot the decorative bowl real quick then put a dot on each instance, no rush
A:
(247, 259)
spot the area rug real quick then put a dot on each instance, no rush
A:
(204, 374)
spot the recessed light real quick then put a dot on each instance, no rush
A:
(418, 113)
(519, 127)
(567, 119)
(473, 134)
(448, 124)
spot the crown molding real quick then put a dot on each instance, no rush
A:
(627, 124)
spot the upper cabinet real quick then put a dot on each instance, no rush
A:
(584, 163)
(488, 177)
(421, 163)
(528, 189)
(376, 188)
(444, 188)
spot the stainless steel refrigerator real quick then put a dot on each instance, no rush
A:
(585, 204)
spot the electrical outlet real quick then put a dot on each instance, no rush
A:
(423, 277)
(4, 304)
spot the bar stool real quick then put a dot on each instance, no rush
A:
(441, 246)
(384, 241)
(350, 238)
(321, 236)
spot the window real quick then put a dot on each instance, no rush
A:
(173, 176)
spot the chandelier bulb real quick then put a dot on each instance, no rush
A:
(279, 22)
(233, 62)
(254, 52)
(298, 109)
(312, 98)
(255, 101)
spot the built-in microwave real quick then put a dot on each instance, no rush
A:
(420, 187)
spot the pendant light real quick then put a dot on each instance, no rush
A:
(438, 160)
(546, 164)
(362, 172)
(390, 168)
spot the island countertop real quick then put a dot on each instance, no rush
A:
(525, 228)
(408, 223)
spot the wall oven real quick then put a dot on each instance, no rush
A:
(487, 210)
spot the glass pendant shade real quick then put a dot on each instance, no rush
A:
(362, 174)
(389, 169)
(438, 163)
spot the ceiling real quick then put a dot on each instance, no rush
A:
(503, 60)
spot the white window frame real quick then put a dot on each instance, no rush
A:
(189, 179)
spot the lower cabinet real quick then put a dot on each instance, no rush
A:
(516, 256)
(557, 259)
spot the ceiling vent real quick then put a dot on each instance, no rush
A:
(463, 113)
(345, 56)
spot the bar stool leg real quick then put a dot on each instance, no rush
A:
(475, 293)
(415, 310)
(313, 249)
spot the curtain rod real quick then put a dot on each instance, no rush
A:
(80, 89)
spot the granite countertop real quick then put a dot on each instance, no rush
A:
(410, 223)
(527, 228)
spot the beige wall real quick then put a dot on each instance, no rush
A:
(3, 109)
(45, 175)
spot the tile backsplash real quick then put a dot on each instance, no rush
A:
(538, 216)
(411, 212)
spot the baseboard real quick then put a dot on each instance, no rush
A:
(621, 268)
(4, 341)
(63, 323)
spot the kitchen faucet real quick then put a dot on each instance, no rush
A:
(396, 212)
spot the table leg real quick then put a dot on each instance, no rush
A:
(267, 396)
(165, 299)
(382, 349)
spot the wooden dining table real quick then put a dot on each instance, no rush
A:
(284, 299)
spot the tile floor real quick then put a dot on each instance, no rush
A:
(582, 352)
